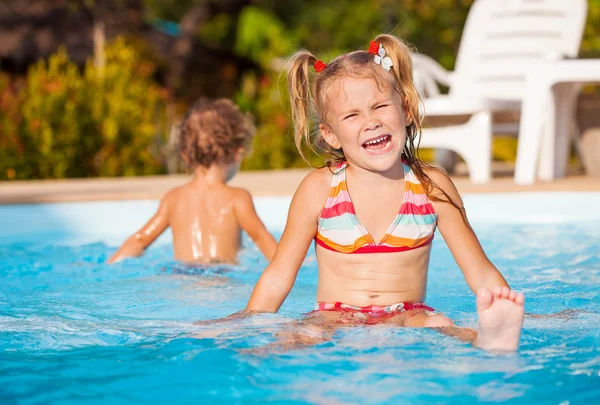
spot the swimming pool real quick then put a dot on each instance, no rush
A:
(75, 330)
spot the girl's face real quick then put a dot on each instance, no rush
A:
(367, 122)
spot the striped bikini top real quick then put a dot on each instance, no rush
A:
(339, 229)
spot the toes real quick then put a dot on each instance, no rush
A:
(497, 292)
(520, 299)
(512, 295)
(484, 299)
(505, 292)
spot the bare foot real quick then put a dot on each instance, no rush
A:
(501, 315)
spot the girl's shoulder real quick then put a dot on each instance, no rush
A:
(439, 176)
(316, 184)
(311, 195)
(319, 179)
(443, 188)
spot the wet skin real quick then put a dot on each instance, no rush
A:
(206, 217)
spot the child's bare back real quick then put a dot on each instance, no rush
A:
(206, 220)
(206, 215)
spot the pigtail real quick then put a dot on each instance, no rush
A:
(400, 54)
(301, 99)
(402, 70)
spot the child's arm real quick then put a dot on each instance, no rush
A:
(139, 241)
(463, 243)
(278, 278)
(251, 223)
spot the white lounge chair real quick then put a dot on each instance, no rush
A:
(502, 41)
(548, 118)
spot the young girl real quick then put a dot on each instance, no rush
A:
(373, 210)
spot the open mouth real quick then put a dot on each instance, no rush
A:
(379, 144)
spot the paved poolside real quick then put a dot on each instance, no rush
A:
(259, 183)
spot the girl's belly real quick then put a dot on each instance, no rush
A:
(372, 279)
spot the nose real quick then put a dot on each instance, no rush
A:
(372, 122)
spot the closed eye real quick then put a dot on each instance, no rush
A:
(349, 116)
(381, 106)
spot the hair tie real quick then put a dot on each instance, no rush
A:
(378, 50)
(319, 66)
(373, 47)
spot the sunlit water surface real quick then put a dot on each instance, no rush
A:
(74, 330)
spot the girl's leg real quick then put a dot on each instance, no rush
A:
(500, 312)
(442, 324)
(315, 328)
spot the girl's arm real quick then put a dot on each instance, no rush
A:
(278, 278)
(463, 243)
(251, 223)
(139, 241)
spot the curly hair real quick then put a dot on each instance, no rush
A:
(213, 131)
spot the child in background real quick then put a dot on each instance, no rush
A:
(206, 215)
(372, 212)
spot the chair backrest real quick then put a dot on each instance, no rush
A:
(503, 39)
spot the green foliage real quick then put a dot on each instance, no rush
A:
(11, 145)
(261, 36)
(64, 122)
(171, 10)
(67, 123)
(590, 46)
(216, 30)
(125, 106)
(51, 105)
(273, 146)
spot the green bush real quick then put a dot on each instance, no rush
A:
(11, 145)
(65, 122)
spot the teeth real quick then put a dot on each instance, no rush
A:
(376, 141)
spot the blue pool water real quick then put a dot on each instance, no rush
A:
(74, 330)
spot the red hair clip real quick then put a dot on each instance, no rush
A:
(373, 48)
(319, 66)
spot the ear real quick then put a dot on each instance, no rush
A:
(329, 136)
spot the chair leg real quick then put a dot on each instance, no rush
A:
(472, 141)
(568, 133)
(534, 127)
(557, 135)
(477, 150)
